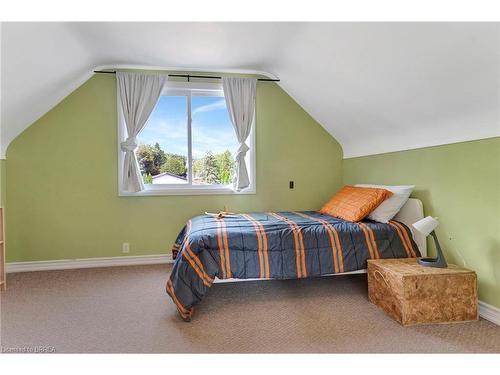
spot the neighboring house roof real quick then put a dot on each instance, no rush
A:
(168, 178)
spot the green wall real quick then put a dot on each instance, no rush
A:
(2, 182)
(458, 183)
(63, 198)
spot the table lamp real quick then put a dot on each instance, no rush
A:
(426, 226)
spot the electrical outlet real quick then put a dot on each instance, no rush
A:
(291, 184)
(125, 247)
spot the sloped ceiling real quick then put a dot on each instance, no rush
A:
(376, 87)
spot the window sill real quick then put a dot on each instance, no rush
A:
(187, 191)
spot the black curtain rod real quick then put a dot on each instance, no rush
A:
(188, 76)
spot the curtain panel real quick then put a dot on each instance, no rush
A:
(137, 97)
(239, 94)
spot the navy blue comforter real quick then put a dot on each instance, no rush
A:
(276, 245)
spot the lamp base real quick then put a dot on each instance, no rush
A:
(440, 261)
(433, 262)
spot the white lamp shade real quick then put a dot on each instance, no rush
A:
(426, 225)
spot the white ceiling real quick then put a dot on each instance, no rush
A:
(376, 87)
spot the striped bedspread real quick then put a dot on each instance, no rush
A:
(276, 245)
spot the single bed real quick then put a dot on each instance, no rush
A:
(282, 245)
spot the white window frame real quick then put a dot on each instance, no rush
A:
(187, 89)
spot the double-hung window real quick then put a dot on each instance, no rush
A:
(188, 144)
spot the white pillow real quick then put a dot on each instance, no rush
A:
(391, 206)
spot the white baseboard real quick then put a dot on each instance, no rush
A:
(65, 264)
(489, 312)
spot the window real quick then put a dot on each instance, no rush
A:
(188, 145)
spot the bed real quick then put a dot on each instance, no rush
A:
(282, 245)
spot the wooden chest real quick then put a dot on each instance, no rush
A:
(413, 294)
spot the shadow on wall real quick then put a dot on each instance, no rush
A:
(425, 197)
(489, 285)
(445, 238)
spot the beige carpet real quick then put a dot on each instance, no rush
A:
(126, 309)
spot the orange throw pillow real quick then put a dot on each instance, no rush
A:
(354, 203)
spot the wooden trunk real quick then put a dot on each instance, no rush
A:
(413, 294)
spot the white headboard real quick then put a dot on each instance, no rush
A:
(411, 212)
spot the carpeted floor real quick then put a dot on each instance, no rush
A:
(126, 309)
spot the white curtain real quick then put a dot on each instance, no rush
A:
(240, 100)
(138, 95)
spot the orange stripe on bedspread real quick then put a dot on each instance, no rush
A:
(338, 261)
(339, 247)
(401, 237)
(195, 263)
(220, 242)
(193, 259)
(370, 241)
(226, 249)
(185, 313)
(405, 239)
(374, 243)
(265, 249)
(260, 231)
(299, 244)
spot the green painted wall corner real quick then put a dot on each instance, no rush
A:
(460, 184)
